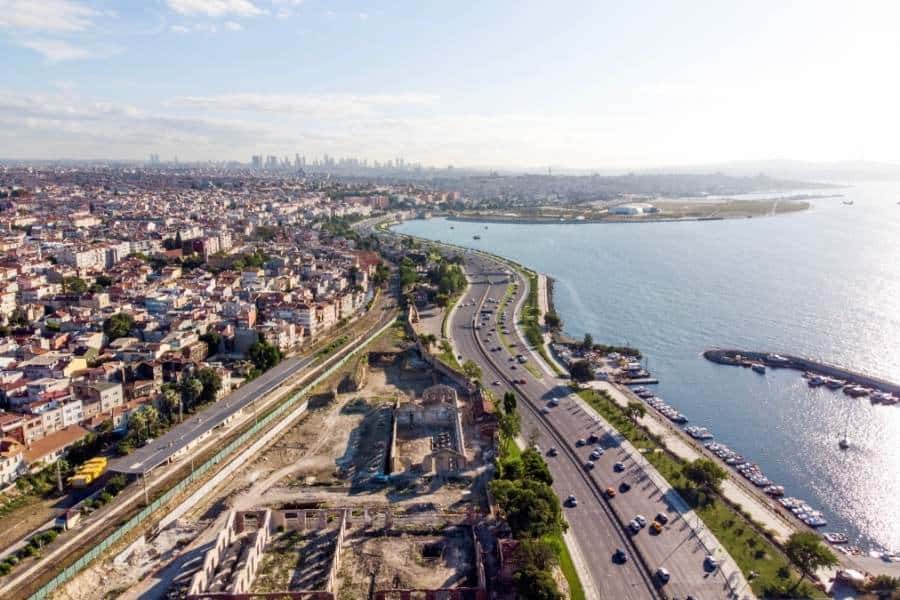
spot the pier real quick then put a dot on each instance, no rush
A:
(788, 361)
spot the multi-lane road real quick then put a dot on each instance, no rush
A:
(598, 523)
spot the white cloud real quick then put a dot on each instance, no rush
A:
(322, 105)
(43, 123)
(216, 8)
(232, 26)
(59, 50)
(45, 15)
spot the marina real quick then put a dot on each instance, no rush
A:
(817, 374)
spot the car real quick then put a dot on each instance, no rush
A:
(610, 492)
(580, 442)
(634, 527)
(662, 575)
(572, 500)
(619, 467)
(545, 410)
(624, 486)
(656, 527)
(710, 563)
(589, 464)
(510, 359)
(620, 556)
(521, 382)
(597, 453)
(496, 382)
(593, 438)
(554, 401)
(661, 518)
(552, 451)
(513, 367)
(641, 519)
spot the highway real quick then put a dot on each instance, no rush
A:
(598, 524)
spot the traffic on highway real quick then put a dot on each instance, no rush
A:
(632, 539)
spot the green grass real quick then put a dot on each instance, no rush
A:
(741, 537)
(576, 590)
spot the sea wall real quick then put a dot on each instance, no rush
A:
(727, 357)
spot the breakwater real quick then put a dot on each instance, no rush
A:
(788, 361)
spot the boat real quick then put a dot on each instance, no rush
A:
(848, 202)
(698, 433)
(758, 367)
(815, 381)
(774, 490)
(476, 237)
(835, 384)
(844, 443)
(835, 538)
(856, 391)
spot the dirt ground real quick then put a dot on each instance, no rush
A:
(422, 561)
(314, 461)
(296, 561)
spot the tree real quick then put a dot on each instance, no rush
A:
(428, 340)
(382, 272)
(471, 370)
(190, 389)
(104, 281)
(442, 300)
(536, 584)
(74, 285)
(510, 425)
(805, 549)
(588, 342)
(553, 321)
(264, 355)
(212, 339)
(581, 370)
(531, 507)
(211, 382)
(509, 402)
(635, 410)
(170, 400)
(117, 326)
(535, 468)
(705, 474)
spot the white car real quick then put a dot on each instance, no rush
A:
(663, 575)
(710, 562)
(641, 519)
(496, 382)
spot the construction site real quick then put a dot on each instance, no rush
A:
(377, 491)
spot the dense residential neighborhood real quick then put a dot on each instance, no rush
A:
(131, 296)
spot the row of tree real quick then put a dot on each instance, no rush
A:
(531, 509)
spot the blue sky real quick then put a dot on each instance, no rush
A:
(582, 84)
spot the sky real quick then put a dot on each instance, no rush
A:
(590, 84)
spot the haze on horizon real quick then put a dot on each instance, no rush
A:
(519, 84)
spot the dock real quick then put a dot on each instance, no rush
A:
(788, 361)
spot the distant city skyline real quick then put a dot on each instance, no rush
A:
(583, 85)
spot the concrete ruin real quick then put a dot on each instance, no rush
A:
(427, 436)
(361, 544)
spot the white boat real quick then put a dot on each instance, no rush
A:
(835, 538)
(758, 367)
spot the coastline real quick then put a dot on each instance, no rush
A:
(671, 212)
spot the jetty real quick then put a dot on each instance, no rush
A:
(788, 361)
